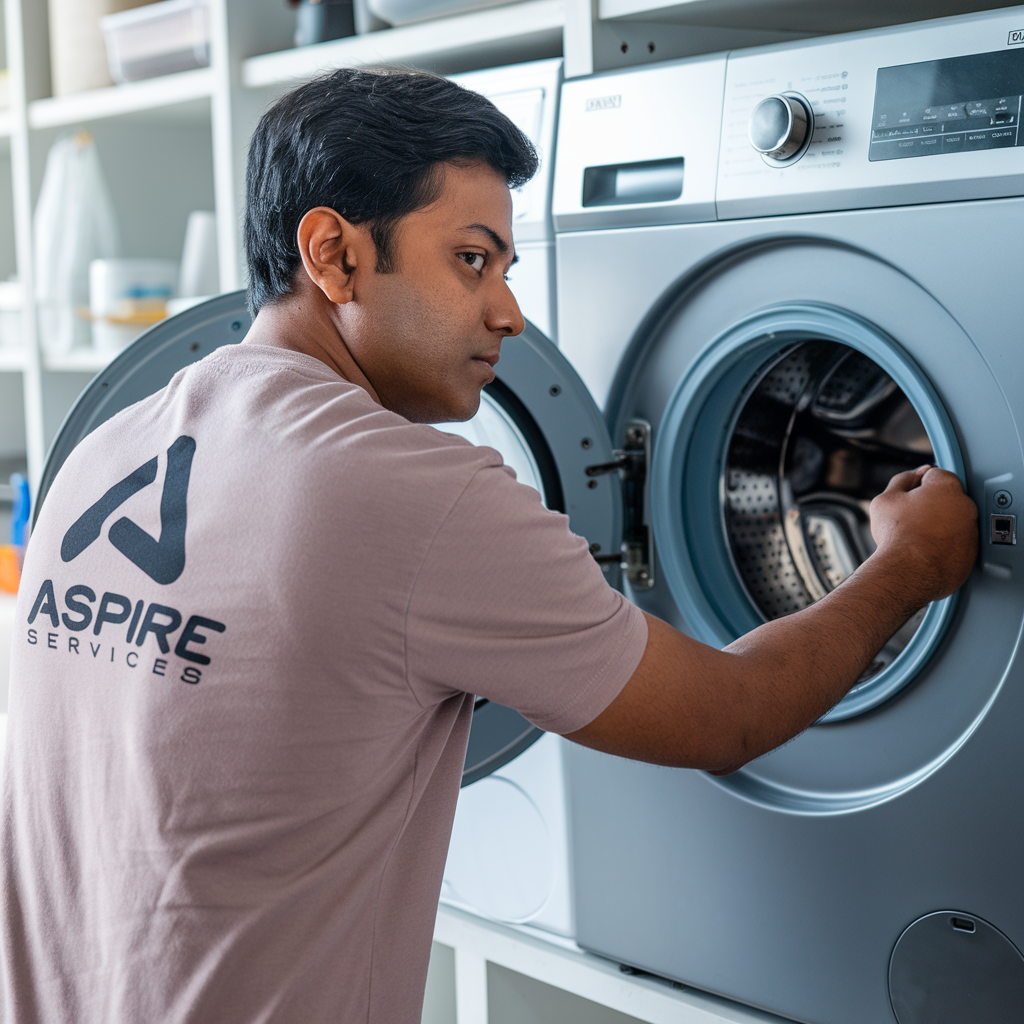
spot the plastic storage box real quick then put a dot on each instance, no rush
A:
(157, 39)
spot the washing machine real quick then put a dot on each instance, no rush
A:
(508, 859)
(788, 273)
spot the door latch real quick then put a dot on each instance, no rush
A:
(631, 462)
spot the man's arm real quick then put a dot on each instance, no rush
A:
(691, 706)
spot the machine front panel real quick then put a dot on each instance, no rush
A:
(795, 905)
(948, 89)
(639, 146)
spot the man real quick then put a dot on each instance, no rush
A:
(239, 711)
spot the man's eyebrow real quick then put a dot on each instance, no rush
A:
(499, 243)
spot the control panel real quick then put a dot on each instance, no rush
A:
(958, 105)
(950, 89)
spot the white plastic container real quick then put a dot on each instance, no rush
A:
(157, 39)
(126, 297)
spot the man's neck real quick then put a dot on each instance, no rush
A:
(302, 322)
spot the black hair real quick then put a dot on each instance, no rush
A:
(368, 144)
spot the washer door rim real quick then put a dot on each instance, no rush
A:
(752, 340)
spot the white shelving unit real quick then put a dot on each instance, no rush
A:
(484, 973)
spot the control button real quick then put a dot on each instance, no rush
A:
(953, 143)
(780, 127)
(1004, 529)
(1004, 117)
(978, 108)
(1002, 499)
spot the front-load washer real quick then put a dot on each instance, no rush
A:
(790, 272)
(508, 858)
(802, 322)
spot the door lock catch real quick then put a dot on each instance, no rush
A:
(631, 463)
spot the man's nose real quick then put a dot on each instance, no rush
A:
(504, 314)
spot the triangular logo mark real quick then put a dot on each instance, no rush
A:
(162, 560)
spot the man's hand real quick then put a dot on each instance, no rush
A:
(924, 521)
(691, 706)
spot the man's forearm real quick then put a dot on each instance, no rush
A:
(790, 671)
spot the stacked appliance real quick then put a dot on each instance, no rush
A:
(790, 272)
(508, 859)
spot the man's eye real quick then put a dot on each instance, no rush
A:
(474, 259)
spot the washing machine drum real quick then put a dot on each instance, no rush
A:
(822, 430)
(537, 413)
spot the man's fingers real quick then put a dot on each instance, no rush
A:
(910, 479)
(934, 476)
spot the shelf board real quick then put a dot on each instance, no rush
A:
(79, 360)
(184, 90)
(805, 17)
(12, 360)
(442, 43)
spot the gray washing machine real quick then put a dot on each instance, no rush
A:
(789, 273)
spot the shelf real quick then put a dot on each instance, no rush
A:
(565, 966)
(183, 96)
(444, 43)
(80, 360)
(12, 360)
(800, 16)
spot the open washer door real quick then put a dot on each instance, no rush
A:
(537, 413)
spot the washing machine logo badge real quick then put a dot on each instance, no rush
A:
(604, 102)
(1016, 37)
(161, 560)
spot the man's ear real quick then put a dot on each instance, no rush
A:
(334, 252)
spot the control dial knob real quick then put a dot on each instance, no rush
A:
(781, 126)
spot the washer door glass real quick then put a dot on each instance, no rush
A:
(822, 430)
(814, 410)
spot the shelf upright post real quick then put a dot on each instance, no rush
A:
(578, 37)
(240, 29)
(28, 77)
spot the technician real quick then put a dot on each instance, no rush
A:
(256, 606)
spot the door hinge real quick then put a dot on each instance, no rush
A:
(631, 462)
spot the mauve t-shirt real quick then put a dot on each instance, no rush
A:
(252, 614)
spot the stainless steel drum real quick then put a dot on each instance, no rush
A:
(821, 432)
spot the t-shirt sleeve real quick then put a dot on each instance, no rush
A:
(508, 604)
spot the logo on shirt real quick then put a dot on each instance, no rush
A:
(161, 560)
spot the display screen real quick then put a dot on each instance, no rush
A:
(948, 106)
